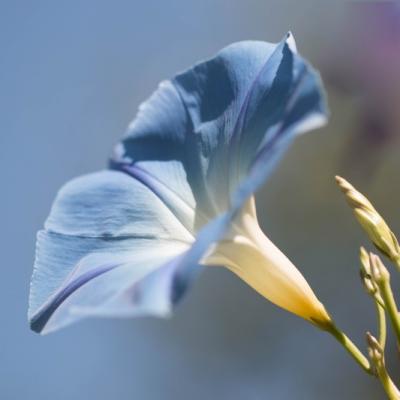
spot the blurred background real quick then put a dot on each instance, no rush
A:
(72, 74)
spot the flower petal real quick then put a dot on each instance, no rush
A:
(196, 151)
(120, 278)
(111, 247)
(160, 147)
(111, 204)
(106, 213)
(225, 122)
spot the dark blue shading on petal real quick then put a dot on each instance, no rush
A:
(218, 119)
(40, 319)
(104, 275)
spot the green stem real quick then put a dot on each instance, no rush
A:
(380, 311)
(391, 307)
(351, 348)
(387, 383)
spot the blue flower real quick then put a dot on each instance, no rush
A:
(178, 195)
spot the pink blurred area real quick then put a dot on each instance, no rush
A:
(361, 59)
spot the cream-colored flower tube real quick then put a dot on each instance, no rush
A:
(248, 253)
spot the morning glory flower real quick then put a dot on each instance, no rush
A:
(179, 195)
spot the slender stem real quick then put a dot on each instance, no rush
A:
(351, 348)
(390, 388)
(380, 311)
(391, 307)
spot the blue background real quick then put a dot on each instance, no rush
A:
(72, 74)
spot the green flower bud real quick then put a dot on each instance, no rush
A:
(371, 221)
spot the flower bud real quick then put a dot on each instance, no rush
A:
(379, 272)
(365, 274)
(367, 279)
(375, 352)
(373, 224)
(377, 356)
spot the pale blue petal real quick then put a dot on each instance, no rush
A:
(112, 204)
(140, 282)
(123, 277)
(112, 247)
(111, 279)
(106, 213)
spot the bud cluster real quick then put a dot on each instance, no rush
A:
(376, 280)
